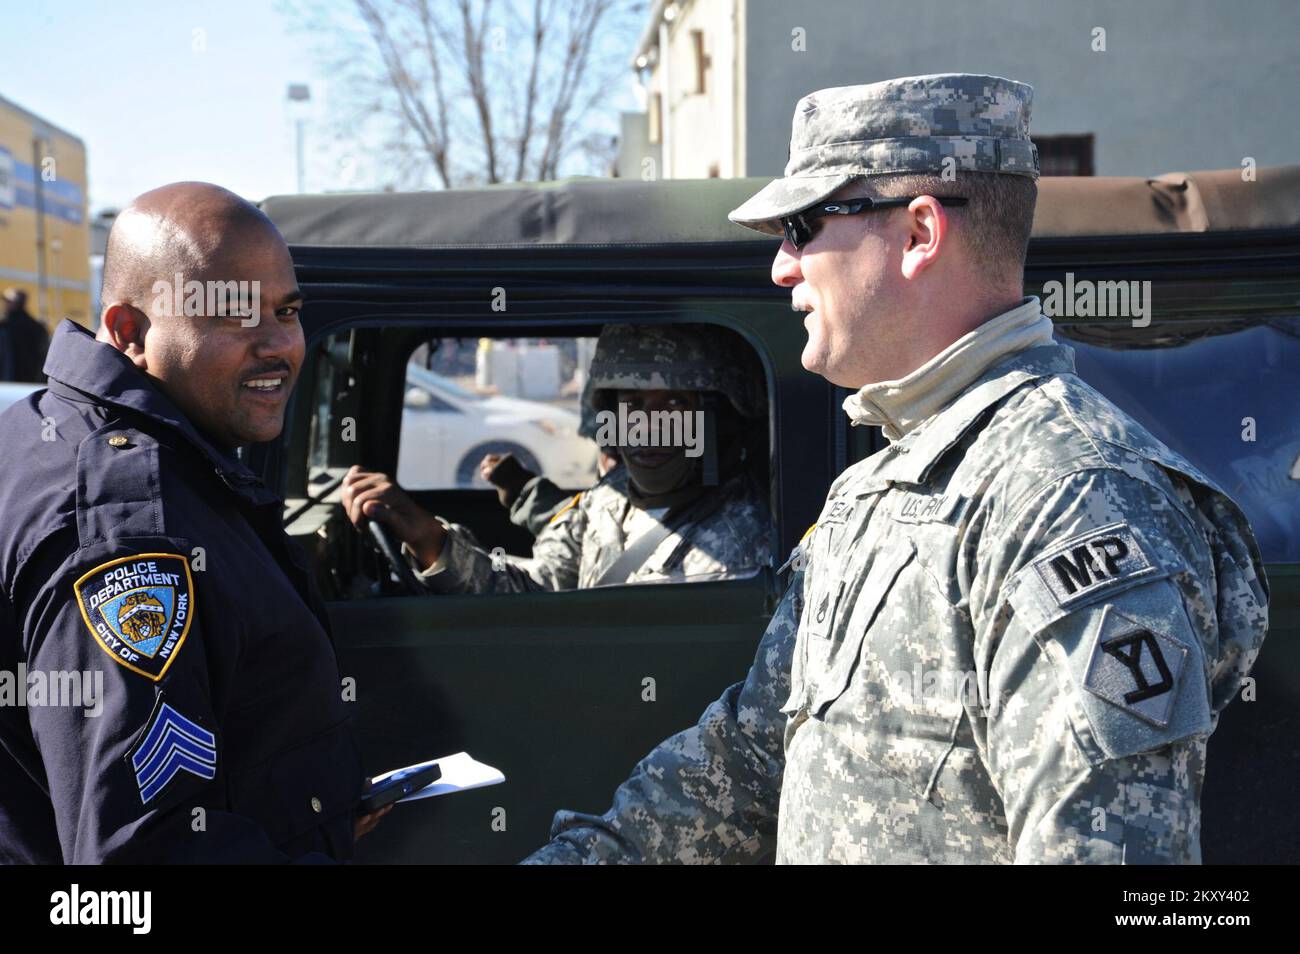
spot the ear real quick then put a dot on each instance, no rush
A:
(124, 327)
(928, 235)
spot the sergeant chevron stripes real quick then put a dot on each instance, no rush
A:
(173, 744)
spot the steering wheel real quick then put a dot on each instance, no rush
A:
(382, 537)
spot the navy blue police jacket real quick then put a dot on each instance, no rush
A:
(137, 555)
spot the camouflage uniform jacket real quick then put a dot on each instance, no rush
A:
(539, 502)
(727, 534)
(1013, 634)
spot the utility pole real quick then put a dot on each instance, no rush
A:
(299, 93)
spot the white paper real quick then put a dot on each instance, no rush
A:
(460, 773)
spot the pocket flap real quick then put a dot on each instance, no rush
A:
(831, 661)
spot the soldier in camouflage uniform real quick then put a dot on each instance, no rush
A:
(715, 521)
(1011, 631)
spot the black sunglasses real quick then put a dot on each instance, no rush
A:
(800, 227)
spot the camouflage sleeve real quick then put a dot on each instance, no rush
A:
(464, 567)
(1094, 609)
(707, 795)
(557, 548)
(538, 502)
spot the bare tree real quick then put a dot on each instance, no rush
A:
(482, 90)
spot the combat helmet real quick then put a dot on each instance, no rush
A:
(681, 357)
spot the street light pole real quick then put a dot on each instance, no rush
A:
(301, 175)
(300, 93)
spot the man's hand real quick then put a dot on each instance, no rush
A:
(369, 495)
(367, 823)
(489, 464)
(506, 474)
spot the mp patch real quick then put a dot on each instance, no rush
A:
(138, 609)
(171, 744)
(1135, 667)
(1076, 570)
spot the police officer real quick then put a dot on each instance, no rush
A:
(1012, 630)
(665, 515)
(143, 562)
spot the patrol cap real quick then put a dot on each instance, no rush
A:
(910, 124)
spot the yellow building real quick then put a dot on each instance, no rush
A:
(44, 231)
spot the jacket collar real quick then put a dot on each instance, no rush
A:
(104, 375)
(910, 459)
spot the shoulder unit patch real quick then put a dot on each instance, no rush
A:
(1135, 667)
(138, 609)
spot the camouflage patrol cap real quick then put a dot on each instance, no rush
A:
(684, 357)
(902, 125)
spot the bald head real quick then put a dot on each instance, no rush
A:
(200, 294)
(190, 228)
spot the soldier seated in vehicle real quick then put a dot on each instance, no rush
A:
(687, 512)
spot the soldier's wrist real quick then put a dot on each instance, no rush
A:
(427, 546)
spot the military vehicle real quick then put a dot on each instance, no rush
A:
(564, 692)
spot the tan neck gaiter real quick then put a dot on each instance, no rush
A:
(899, 406)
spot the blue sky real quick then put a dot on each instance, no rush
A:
(152, 108)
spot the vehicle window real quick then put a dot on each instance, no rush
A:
(1225, 401)
(689, 501)
(467, 397)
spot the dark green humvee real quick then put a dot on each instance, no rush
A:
(550, 687)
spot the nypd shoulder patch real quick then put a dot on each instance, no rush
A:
(171, 744)
(138, 609)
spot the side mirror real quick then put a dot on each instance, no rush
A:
(418, 398)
